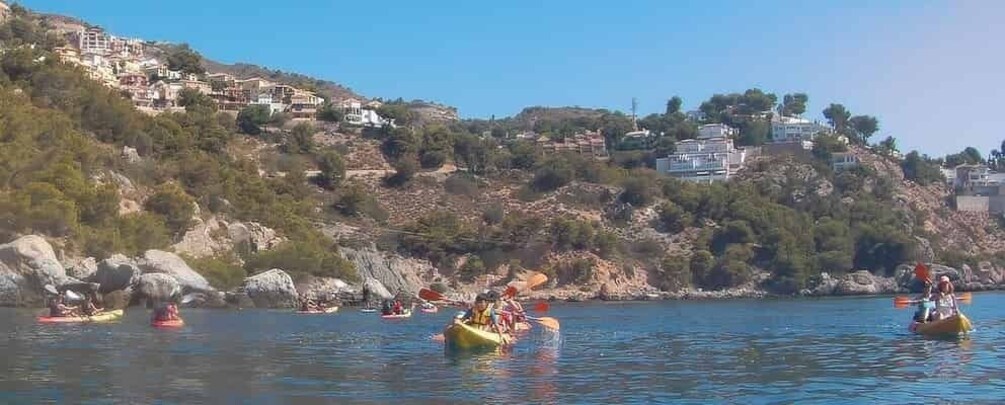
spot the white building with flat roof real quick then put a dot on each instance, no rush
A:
(709, 131)
(790, 129)
(703, 160)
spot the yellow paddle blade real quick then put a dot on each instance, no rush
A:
(547, 322)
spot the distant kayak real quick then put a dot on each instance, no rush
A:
(368, 310)
(108, 316)
(465, 337)
(330, 310)
(954, 325)
(173, 323)
(431, 310)
(406, 314)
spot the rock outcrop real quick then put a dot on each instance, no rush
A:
(26, 265)
(82, 269)
(271, 289)
(115, 273)
(396, 273)
(377, 289)
(159, 261)
(326, 288)
(157, 287)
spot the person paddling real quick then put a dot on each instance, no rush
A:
(88, 308)
(482, 316)
(58, 309)
(945, 302)
(925, 304)
(168, 312)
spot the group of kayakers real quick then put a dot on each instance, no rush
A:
(58, 307)
(493, 312)
(392, 307)
(938, 304)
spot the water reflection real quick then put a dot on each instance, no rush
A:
(740, 352)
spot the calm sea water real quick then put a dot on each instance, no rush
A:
(773, 351)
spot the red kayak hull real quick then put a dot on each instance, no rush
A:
(174, 323)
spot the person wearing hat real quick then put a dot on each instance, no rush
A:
(945, 301)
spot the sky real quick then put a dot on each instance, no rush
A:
(929, 70)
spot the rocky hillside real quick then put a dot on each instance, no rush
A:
(98, 195)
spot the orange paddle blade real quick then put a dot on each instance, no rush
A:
(966, 298)
(921, 272)
(547, 322)
(901, 302)
(430, 295)
(535, 280)
(541, 306)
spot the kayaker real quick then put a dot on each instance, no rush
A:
(58, 309)
(88, 308)
(482, 316)
(397, 308)
(945, 301)
(925, 304)
(515, 313)
(168, 312)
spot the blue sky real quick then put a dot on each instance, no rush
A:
(929, 70)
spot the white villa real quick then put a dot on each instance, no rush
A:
(789, 129)
(703, 160)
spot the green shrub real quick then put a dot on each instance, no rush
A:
(310, 257)
(222, 272)
(172, 203)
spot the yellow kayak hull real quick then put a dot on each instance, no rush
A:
(107, 316)
(463, 336)
(954, 325)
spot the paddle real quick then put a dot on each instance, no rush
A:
(533, 281)
(547, 322)
(922, 273)
(430, 295)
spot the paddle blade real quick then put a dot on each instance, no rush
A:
(541, 306)
(547, 322)
(966, 298)
(901, 302)
(535, 280)
(49, 288)
(921, 272)
(430, 295)
(510, 292)
(72, 296)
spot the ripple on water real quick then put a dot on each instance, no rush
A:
(781, 351)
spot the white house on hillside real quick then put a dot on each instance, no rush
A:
(789, 129)
(703, 160)
(709, 131)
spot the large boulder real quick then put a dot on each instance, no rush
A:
(377, 289)
(157, 287)
(326, 288)
(864, 282)
(26, 266)
(253, 235)
(159, 261)
(271, 289)
(115, 273)
(82, 269)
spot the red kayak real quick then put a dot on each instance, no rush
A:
(171, 323)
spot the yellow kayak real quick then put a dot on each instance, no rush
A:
(107, 316)
(463, 336)
(953, 325)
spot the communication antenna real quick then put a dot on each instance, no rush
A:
(635, 107)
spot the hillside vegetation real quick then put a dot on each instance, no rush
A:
(479, 208)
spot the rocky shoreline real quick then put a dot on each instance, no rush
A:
(29, 263)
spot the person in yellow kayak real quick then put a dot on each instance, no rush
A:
(945, 301)
(88, 308)
(482, 315)
(925, 304)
